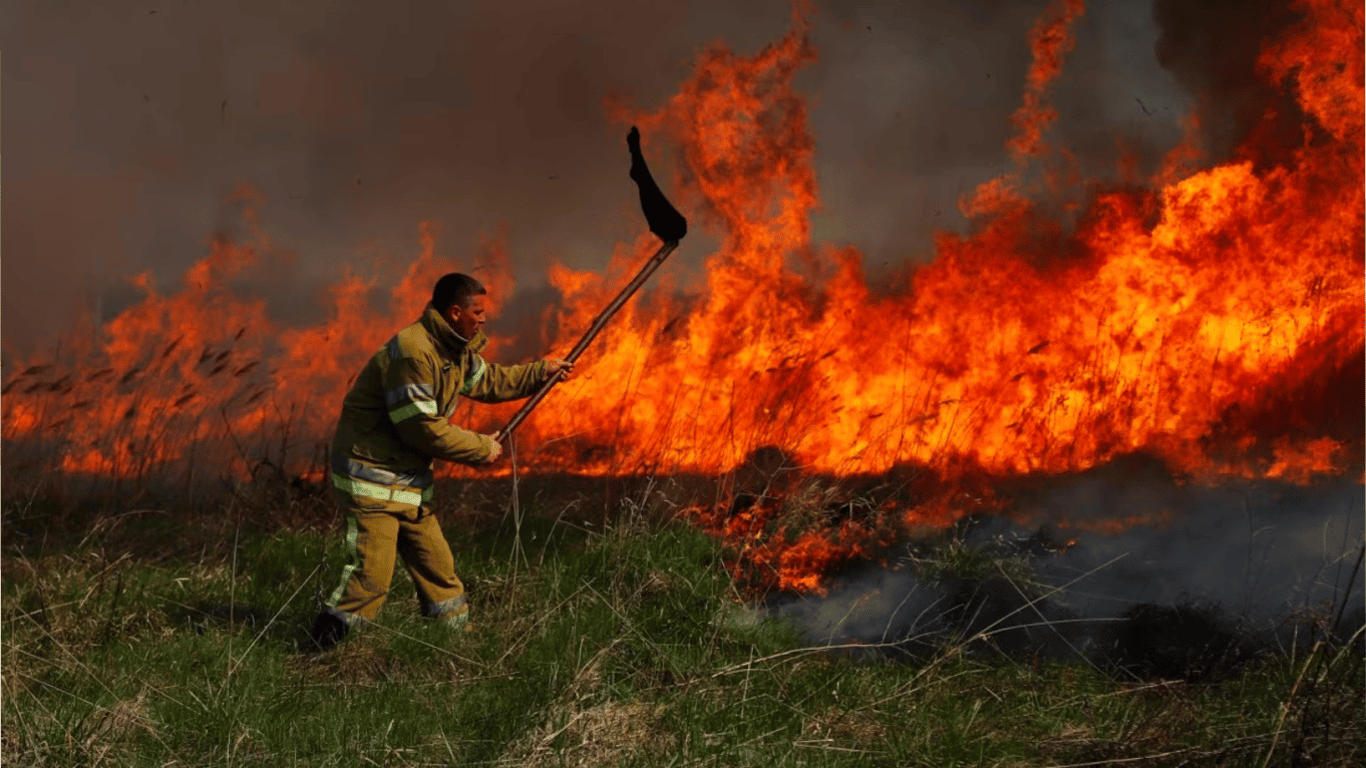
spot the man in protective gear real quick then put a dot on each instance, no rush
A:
(394, 422)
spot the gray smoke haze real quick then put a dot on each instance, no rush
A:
(129, 124)
(1211, 48)
(1255, 551)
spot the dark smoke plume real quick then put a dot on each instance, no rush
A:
(1216, 576)
(131, 124)
(1211, 47)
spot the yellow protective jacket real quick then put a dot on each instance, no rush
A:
(396, 418)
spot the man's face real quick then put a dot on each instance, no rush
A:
(467, 320)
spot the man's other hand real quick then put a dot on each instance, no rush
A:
(496, 449)
(555, 366)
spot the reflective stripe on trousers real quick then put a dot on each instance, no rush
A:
(352, 562)
(369, 490)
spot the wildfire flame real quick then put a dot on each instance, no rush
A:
(1178, 319)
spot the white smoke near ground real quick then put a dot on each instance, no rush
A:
(1258, 560)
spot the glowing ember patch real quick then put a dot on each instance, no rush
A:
(1301, 463)
(20, 420)
(1117, 525)
(92, 462)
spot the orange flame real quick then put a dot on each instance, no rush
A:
(1142, 339)
(1050, 40)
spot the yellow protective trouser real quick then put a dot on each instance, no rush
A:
(377, 530)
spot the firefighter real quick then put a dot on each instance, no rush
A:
(394, 422)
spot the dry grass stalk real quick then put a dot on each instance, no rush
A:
(603, 735)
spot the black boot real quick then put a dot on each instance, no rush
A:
(328, 630)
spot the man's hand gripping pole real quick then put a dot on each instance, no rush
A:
(666, 222)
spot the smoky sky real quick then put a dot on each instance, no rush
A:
(128, 125)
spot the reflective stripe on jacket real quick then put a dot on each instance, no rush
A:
(396, 418)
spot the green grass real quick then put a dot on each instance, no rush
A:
(620, 643)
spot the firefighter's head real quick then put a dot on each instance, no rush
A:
(460, 299)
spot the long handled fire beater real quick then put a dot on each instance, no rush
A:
(666, 222)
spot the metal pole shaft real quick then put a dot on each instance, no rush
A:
(599, 323)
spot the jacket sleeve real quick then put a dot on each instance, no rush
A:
(410, 396)
(491, 383)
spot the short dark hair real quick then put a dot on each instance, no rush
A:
(455, 288)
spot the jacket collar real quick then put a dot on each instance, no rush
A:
(447, 341)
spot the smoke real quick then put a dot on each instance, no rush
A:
(1211, 49)
(130, 125)
(1117, 553)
